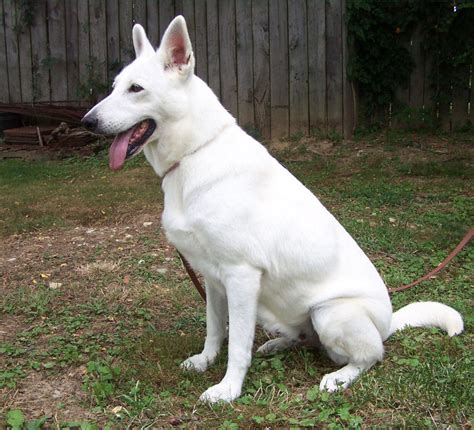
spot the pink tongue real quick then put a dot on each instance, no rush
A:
(118, 149)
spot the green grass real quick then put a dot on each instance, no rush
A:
(110, 338)
(39, 195)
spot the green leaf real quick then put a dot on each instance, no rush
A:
(258, 419)
(313, 393)
(85, 425)
(307, 422)
(49, 365)
(36, 424)
(344, 412)
(270, 417)
(15, 419)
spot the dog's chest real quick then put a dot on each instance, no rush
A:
(178, 230)
(176, 223)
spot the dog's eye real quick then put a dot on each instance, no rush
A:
(134, 88)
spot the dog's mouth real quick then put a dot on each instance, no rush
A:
(130, 143)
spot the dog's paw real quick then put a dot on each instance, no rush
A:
(198, 363)
(274, 345)
(222, 392)
(333, 382)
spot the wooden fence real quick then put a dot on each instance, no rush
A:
(279, 66)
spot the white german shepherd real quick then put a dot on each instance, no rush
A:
(268, 249)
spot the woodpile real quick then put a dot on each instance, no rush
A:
(61, 136)
(48, 141)
(26, 135)
(68, 113)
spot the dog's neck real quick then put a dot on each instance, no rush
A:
(191, 133)
(204, 145)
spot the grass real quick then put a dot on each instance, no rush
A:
(97, 313)
(39, 195)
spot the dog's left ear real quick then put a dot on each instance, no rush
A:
(140, 42)
(175, 49)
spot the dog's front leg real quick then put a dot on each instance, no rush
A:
(216, 321)
(242, 289)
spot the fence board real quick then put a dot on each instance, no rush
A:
(166, 15)
(243, 21)
(11, 43)
(200, 46)
(459, 115)
(39, 45)
(317, 64)
(84, 52)
(417, 76)
(261, 61)
(139, 13)
(471, 97)
(298, 69)
(98, 49)
(427, 87)
(347, 87)
(24, 49)
(4, 95)
(188, 13)
(114, 64)
(126, 24)
(227, 55)
(278, 35)
(444, 114)
(178, 7)
(153, 22)
(72, 54)
(213, 46)
(402, 94)
(57, 49)
(334, 64)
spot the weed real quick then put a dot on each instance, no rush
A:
(101, 377)
(296, 137)
(332, 135)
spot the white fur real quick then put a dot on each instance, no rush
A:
(269, 250)
(428, 314)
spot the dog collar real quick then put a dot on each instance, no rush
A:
(173, 167)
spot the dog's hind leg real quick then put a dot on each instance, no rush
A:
(216, 321)
(350, 337)
(278, 344)
(302, 335)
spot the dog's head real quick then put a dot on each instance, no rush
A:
(147, 93)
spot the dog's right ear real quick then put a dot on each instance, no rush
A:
(175, 50)
(140, 42)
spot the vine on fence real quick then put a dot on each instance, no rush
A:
(26, 16)
(379, 33)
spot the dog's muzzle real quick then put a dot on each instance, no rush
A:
(90, 121)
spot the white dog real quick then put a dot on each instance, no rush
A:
(268, 249)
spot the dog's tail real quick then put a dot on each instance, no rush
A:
(427, 314)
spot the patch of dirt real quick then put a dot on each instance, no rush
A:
(60, 398)
(420, 148)
(65, 254)
(10, 326)
(100, 260)
(302, 150)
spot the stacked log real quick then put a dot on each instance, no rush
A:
(55, 137)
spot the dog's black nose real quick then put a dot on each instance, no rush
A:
(90, 122)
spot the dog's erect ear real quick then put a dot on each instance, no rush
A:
(140, 42)
(175, 49)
